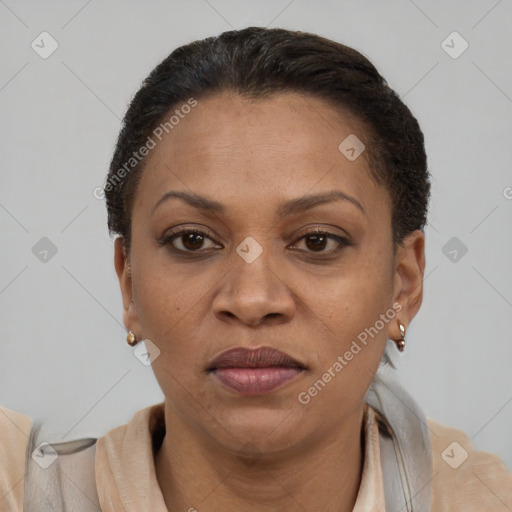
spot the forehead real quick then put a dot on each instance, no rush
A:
(281, 147)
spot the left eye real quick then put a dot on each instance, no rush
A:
(192, 240)
(319, 239)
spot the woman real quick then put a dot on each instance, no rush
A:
(270, 192)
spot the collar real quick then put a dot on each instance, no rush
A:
(125, 468)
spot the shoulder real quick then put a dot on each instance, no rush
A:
(466, 479)
(15, 430)
(146, 428)
(31, 469)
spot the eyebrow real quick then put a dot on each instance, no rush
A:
(286, 209)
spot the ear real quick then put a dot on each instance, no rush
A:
(123, 270)
(409, 271)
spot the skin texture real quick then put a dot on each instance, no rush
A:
(269, 452)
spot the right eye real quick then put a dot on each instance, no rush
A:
(191, 240)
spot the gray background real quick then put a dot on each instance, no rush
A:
(64, 359)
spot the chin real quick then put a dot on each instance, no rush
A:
(258, 432)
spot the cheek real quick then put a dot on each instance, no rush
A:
(350, 353)
(168, 293)
(173, 310)
(351, 308)
(355, 298)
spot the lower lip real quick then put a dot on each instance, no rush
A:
(255, 381)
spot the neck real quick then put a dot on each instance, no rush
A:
(195, 474)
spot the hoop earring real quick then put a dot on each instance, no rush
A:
(130, 338)
(400, 344)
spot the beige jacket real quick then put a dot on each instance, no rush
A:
(463, 480)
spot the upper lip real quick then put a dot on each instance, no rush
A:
(262, 357)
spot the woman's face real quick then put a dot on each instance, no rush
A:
(255, 278)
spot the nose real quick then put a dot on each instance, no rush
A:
(254, 293)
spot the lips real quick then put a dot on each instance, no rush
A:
(262, 357)
(254, 372)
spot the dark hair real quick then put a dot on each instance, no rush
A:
(256, 63)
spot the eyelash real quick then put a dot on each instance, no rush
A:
(180, 232)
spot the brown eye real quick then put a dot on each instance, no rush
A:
(317, 241)
(190, 240)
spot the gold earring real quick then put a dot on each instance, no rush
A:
(400, 344)
(130, 338)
